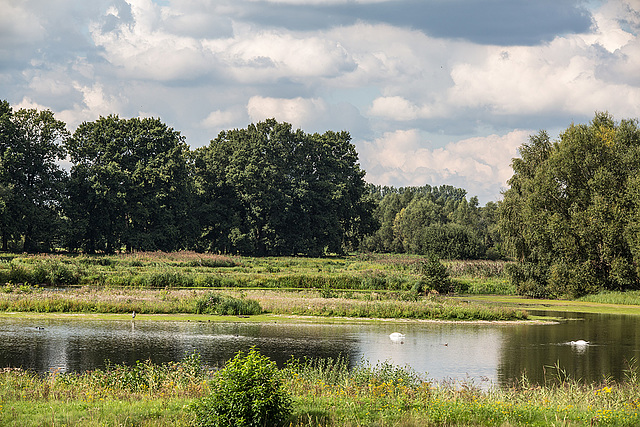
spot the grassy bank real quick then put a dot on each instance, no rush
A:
(324, 392)
(405, 305)
(595, 304)
(193, 270)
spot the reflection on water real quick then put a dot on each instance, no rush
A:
(484, 353)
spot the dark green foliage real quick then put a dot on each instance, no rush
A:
(225, 305)
(47, 273)
(270, 190)
(434, 275)
(134, 185)
(31, 181)
(130, 186)
(247, 392)
(440, 220)
(571, 215)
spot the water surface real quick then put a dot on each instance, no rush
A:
(483, 353)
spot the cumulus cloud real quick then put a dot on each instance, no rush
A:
(221, 119)
(143, 49)
(297, 111)
(481, 165)
(414, 81)
(272, 55)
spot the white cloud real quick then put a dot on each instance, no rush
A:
(96, 102)
(19, 26)
(562, 76)
(222, 118)
(144, 50)
(203, 66)
(271, 55)
(297, 111)
(481, 165)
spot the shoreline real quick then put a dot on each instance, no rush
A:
(259, 318)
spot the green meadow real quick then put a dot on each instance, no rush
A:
(202, 287)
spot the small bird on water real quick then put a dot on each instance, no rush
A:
(133, 315)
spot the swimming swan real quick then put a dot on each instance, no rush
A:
(396, 336)
(579, 343)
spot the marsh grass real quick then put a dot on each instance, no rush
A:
(189, 269)
(379, 305)
(326, 392)
(608, 297)
(402, 304)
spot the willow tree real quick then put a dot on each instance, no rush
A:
(571, 216)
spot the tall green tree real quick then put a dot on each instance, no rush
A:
(270, 190)
(131, 186)
(31, 180)
(431, 220)
(569, 216)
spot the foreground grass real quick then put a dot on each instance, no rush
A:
(325, 393)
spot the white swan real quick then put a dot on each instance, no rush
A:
(396, 336)
(579, 343)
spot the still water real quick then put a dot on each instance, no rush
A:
(482, 353)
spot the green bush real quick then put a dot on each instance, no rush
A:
(213, 303)
(434, 275)
(248, 391)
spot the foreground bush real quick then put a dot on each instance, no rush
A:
(248, 391)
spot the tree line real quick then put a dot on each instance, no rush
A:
(134, 185)
(570, 219)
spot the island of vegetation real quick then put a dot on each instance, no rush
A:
(272, 221)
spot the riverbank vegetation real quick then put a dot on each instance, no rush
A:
(322, 393)
(361, 286)
(372, 272)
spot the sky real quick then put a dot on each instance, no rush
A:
(438, 92)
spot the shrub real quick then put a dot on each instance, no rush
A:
(434, 275)
(225, 305)
(248, 391)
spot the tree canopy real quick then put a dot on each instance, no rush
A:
(283, 191)
(433, 220)
(572, 215)
(130, 186)
(134, 184)
(31, 180)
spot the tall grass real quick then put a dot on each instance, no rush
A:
(405, 305)
(380, 306)
(325, 392)
(608, 297)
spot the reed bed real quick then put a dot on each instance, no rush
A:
(405, 305)
(383, 306)
(325, 392)
(608, 297)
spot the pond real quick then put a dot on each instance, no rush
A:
(483, 353)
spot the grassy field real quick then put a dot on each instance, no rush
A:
(324, 392)
(193, 270)
(362, 286)
(189, 286)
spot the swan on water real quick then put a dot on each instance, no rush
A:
(396, 336)
(579, 343)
